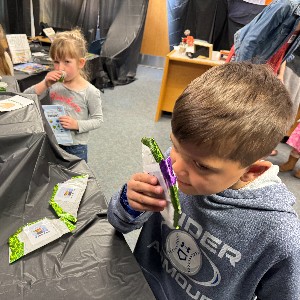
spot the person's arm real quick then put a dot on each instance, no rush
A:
(132, 206)
(281, 282)
(41, 88)
(95, 112)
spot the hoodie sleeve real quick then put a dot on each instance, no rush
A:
(125, 220)
(282, 281)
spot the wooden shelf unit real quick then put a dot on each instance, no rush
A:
(179, 71)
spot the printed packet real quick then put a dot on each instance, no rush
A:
(155, 164)
(67, 196)
(35, 235)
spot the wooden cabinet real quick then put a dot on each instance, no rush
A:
(179, 71)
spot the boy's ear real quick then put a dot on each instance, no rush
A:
(255, 170)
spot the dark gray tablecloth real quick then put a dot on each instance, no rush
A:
(12, 82)
(93, 262)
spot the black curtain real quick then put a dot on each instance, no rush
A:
(67, 14)
(121, 25)
(15, 15)
(108, 9)
(87, 18)
(120, 51)
(4, 15)
(207, 20)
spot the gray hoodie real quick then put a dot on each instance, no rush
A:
(231, 246)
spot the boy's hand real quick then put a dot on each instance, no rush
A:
(68, 123)
(144, 193)
(52, 77)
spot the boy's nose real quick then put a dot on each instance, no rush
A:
(179, 166)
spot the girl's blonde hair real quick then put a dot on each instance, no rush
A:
(4, 67)
(70, 44)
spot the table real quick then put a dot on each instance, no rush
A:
(12, 84)
(179, 71)
(27, 80)
(93, 262)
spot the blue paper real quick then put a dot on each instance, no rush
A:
(52, 114)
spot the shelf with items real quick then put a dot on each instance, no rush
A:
(179, 71)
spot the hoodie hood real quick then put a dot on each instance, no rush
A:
(267, 192)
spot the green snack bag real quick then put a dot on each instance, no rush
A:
(154, 163)
(62, 77)
(35, 235)
(66, 197)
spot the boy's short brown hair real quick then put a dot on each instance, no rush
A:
(240, 111)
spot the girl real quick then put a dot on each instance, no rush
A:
(67, 85)
(294, 141)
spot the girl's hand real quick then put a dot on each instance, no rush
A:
(144, 193)
(52, 77)
(68, 123)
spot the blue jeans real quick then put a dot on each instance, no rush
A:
(78, 150)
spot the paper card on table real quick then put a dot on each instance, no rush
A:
(19, 48)
(52, 114)
(50, 33)
(13, 103)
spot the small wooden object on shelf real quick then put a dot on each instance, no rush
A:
(203, 49)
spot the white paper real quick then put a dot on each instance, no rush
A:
(19, 48)
(13, 103)
(50, 33)
(39, 54)
(69, 194)
(42, 232)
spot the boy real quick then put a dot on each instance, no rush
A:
(239, 236)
